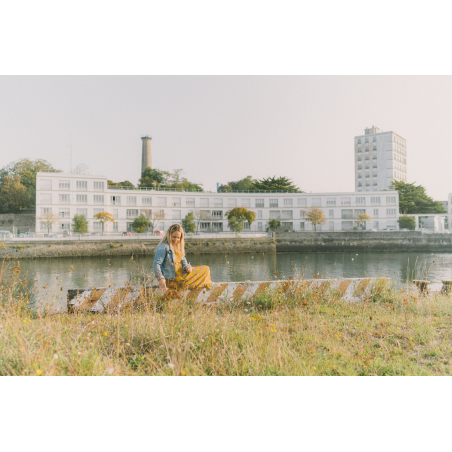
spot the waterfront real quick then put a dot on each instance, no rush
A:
(53, 277)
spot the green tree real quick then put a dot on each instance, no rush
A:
(26, 170)
(237, 216)
(280, 184)
(273, 224)
(407, 222)
(152, 177)
(244, 184)
(414, 199)
(188, 223)
(13, 195)
(141, 224)
(124, 185)
(104, 218)
(79, 224)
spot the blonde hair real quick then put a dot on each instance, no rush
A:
(167, 238)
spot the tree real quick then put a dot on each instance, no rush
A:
(123, 185)
(13, 195)
(273, 224)
(237, 216)
(280, 184)
(414, 199)
(188, 223)
(362, 218)
(315, 216)
(154, 178)
(79, 224)
(48, 219)
(141, 224)
(407, 222)
(155, 217)
(104, 218)
(199, 216)
(26, 169)
(244, 184)
(82, 168)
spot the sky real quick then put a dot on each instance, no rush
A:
(224, 128)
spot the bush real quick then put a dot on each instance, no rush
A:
(112, 245)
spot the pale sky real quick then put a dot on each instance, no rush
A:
(221, 128)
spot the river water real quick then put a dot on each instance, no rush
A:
(52, 277)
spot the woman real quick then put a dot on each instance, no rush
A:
(172, 269)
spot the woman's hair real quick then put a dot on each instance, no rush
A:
(167, 238)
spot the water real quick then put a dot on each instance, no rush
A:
(50, 275)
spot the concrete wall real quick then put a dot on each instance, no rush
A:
(18, 222)
(363, 241)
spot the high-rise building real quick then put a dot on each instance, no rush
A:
(380, 157)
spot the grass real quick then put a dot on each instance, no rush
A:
(274, 334)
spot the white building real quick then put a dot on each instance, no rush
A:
(65, 195)
(380, 157)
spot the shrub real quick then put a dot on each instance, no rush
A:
(112, 245)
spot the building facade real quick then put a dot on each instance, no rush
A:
(64, 195)
(380, 157)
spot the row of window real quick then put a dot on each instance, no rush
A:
(82, 185)
(374, 140)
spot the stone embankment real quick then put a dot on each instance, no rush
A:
(105, 248)
(363, 241)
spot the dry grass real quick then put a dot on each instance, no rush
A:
(275, 334)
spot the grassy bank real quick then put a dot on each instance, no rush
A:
(275, 334)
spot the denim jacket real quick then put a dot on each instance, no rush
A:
(164, 262)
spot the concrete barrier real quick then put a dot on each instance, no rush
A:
(113, 298)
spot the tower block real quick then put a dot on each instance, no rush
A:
(146, 153)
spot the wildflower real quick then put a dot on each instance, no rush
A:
(315, 368)
(55, 356)
(411, 338)
(34, 364)
(273, 331)
(39, 371)
(105, 333)
(436, 319)
(252, 318)
(183, 372)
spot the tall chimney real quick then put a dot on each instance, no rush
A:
(146, 153)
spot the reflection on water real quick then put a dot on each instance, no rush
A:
(53, 274)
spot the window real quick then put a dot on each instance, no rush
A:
(276, 214)
(65, 226)
(132, 200)
(302, 202)
(115, 227)
(246, 202)
(367, 175)
(331, 225)
(360, 176)
(64, 199)
(259, 214)
(205, 214)
(132, 213)
(217, 202)
(375, 200)
(82, 185)
(83, 212)
(259, 203)
(287, 214)
(115, 200)
(232, 202)
(259, 227)
(175, 214)
(331, 201)
(359, 140)
(316, 202)
(375, 213)
(204, 202)
(217, 214)
(288, 202)
(98, 186)
(45, 210)
(46, 184)
(391, 212)
(346, 202)
(97, 225)
(115, 215)
(46, 198)
(175, 202)
(360, 201)
(147, 201)
(246, 226)
(64, 213)
(190, 202)
(346, 214)
(44, 227)
(273, 203)
(302, 214)
(331, 214)
(359, 212)
(360, 167)
(390, 199)
(302, 225)
(376, 225)
(98, 199)
(287, 225)
(64, 185)
(359, 159)
(96, 211)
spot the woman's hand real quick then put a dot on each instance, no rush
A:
(162, 285)
(189, 269)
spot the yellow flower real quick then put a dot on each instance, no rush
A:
(315, 368)
(411, 338)
(34, 364)
(105, 333)
(252, 318)
(273, 331)
(39, 371)
(183, 372)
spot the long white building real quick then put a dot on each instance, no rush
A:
(380, 157)
(64, 195)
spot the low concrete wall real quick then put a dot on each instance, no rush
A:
(84, 248)
(362, 241)
(18, 222)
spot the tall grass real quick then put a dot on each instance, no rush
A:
(274, 334)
